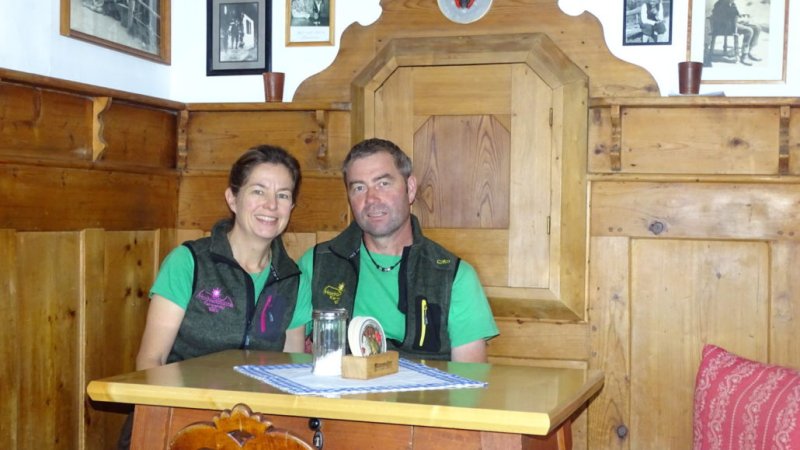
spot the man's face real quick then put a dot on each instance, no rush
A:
(380, 197)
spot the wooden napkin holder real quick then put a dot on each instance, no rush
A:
(373, 366)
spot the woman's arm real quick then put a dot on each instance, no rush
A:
(295, 340)
(163, 321)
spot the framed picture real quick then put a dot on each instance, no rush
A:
(739, 41)
(309, 22)
(239, 37)
(138, 27)
(647, 22)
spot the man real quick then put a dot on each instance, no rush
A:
(651, 17)
(429, 302)
(726, 15)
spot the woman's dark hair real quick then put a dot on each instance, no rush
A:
(260, 154)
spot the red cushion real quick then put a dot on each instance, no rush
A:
(742, 404)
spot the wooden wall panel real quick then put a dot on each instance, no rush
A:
(600, 140)
(10, 360)
(485, 250)
(785, 306)
(140, 136)
(609, 316)
(793, 140)
(53, 198)
(339, 142)
(322, 203)
(216, 139)
(696, 210)
(48, 339)
(394, 111)
(119, 270)
(533, 197)
(451, 90)
(541, 340)
(44, 124)
(719, 140)
(297, 243)
(722, 298)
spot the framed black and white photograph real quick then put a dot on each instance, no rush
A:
(739, 41)
(138, 27)
(309, 22)
(239, 37)
(647, 22)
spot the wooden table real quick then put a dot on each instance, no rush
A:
(521, 408)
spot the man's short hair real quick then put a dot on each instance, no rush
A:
(372, 146)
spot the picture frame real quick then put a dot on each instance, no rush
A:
(309, 22)
(721, 50)
(137, 27)
(647, 22)
(239, 37)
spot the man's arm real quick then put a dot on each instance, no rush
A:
(474, 351)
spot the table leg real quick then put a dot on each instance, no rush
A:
(559, 439)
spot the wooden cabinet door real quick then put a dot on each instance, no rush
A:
(491, 136)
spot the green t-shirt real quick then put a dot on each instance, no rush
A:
(470, 316)
(175, 277)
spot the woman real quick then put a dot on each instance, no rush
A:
(238, 287)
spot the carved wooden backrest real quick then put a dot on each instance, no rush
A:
(236, 428)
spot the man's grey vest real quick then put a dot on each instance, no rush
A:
(222, 313)
(425, 281)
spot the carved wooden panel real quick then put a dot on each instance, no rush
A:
(463, 171)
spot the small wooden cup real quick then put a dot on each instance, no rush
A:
(273, 86)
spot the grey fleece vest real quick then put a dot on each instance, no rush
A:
(425, 279)
(222, 313)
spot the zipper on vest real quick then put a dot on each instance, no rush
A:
(423, 322)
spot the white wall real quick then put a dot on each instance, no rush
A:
(30, 42)
(662, 60)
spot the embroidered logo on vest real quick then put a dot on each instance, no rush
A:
(214, 300)
(334, 293)
(442, 261)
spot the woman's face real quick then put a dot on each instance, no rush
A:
(264, 202)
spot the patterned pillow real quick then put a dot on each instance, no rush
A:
(742, 404)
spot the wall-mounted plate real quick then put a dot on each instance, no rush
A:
(464, 11)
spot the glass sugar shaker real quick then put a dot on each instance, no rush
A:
(329, 337)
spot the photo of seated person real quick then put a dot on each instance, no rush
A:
(429, 302)
(726, 19)
(651, 18)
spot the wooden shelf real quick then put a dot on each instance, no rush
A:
(694, 101)
(269, 106)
